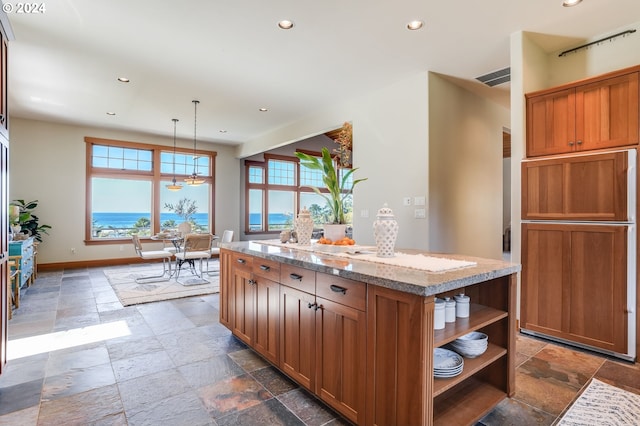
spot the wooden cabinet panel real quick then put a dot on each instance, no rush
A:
(607, 113)
(299, 278)
(267, 269)
(574, 283)
(226, 299)
(551, 123)
(543, 275)
(243, 305)
(267, 318)
(595, 114)
(580, 187)
(297, 335)
(341, 343)
(341, 290)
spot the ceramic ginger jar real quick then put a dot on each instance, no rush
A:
(304, 227)
(385, 231)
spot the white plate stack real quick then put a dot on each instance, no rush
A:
(446, 363)
(471, 345)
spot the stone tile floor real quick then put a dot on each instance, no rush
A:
(77, 357)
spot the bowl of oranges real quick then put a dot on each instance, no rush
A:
(338, 246)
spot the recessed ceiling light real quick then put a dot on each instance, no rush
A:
(415, 25)
(569, 3)
(285, 24)
(263, 110)
(222, 131)
(123, 79)
(111, 113)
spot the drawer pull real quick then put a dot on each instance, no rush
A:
(242, 261)
(312, 305)
(338, 289)
(252, 282)
(265, 267)
(295, 277)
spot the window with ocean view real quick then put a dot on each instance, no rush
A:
(128, 195)
(276, 191)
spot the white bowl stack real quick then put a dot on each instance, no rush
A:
(446, 363)
(471, 345)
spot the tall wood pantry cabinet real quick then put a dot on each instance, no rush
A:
(579, 211)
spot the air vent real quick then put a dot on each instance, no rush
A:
(496, 77)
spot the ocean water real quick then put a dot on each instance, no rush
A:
(127, 220)
(274, 219)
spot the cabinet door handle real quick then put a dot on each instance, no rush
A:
(252, 282)
(338, 289)
(265, 267)
(579, 142)
(312, 305)
(315, 308)
(295, 277)
(242, 261)
(570, 143)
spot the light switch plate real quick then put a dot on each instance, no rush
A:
(419, 200)
(420, 213)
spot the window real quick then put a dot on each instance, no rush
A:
(127, 194)
(276, 190)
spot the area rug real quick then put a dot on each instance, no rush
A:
(603, 405)
(131, 293)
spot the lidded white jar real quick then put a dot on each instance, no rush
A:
(304, 227)
(385, 231)
(462, 305)
(449, 310)
(438, 314)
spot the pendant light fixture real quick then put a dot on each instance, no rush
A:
(173, 186)
(194, 180)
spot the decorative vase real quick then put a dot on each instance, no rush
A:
(334, 231)
(16, 228)
(385, 231)
(304, 227)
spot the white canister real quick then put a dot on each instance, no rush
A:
(462, 305)
(438, 314)
(449, 310)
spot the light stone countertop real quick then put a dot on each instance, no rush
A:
(395, 277)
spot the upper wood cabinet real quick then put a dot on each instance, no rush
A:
(579, 187)
(593, 114)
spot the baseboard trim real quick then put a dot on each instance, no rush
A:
(91, 263)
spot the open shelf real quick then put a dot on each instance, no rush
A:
(467, 403)
(479, 316)
(471, 366)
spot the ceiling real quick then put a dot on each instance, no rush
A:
(231, 55)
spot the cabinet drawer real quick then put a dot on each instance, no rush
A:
(300, 278)
(341, 290)
(266, 268)
(242, 261)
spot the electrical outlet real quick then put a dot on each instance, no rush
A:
(73, 250)
(406, 201)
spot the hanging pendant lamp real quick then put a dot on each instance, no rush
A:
(174, 186)
(194, 180)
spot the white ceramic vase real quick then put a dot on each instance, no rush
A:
(304, 227)
(385, 231)
(335, 231)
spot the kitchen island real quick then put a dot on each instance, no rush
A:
(360, 334)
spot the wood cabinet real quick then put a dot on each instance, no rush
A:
(367, 350)
(578, 187)
(594, 114)
(574, 283)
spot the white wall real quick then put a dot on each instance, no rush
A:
(465, 179)
(47, 163)
(390, 141)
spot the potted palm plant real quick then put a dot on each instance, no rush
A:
(338, 188)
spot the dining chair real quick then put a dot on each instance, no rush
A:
(184, 228)
(153, 255)
(227, 237)
(196, 247)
